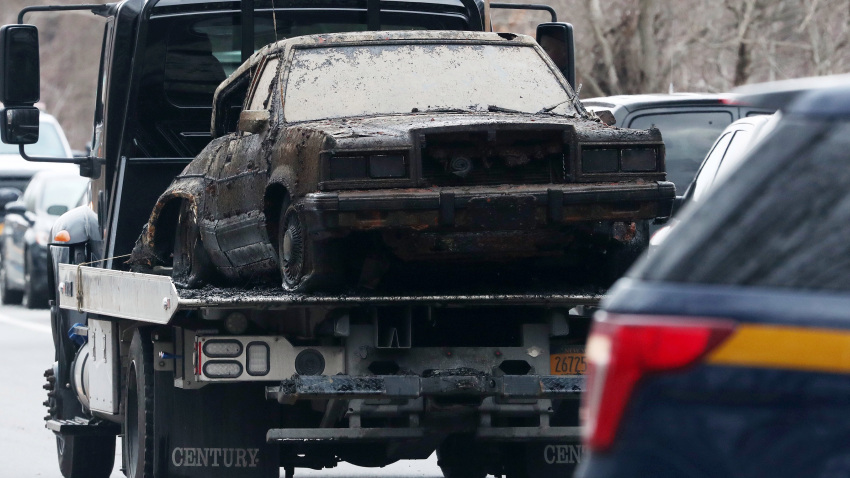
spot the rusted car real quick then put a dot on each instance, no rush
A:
(351, 154)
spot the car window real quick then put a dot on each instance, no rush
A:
(260, 98)
(687, 138)
(779, 221)
(62, 191)
(741, 144)
(709, 167)
(49, 143)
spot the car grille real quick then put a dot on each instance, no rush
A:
(469, 158)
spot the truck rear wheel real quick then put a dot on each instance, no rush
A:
(458, 458)
(138, 442)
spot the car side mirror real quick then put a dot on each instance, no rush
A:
(678, 202)
(57, 210)
(16, 207)
(558, 42)
(19, 65)
(8, 195)
(253, 121)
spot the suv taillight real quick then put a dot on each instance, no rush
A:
(623, 348)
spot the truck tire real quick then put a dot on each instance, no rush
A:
(32, 298)
(7, 295)
(78, 456)
(458, 458)
(138, 442)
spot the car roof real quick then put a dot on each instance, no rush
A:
(820, 94)
(636, 102)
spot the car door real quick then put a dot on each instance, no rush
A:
(17, 226)
(241, 174)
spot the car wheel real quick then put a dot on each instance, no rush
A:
(306, 265)
(191, 265)
(32, 298)
(138, 445)
(7, 295)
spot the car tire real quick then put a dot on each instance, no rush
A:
(138, 442)
(306, 265)
(31, 297)
(8, 296)
(191, 267)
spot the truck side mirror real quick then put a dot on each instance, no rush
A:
(558, 42)
(19, 84)
(19, 66)
(19, 125)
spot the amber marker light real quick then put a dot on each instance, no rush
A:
(62, 236)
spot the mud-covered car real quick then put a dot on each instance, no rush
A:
(358, 154)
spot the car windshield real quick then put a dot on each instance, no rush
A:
(335, 82)
(63, 191)
(49, 143)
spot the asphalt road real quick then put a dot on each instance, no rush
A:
(27, 449)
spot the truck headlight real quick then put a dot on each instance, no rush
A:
(639, 159)
(366, 166)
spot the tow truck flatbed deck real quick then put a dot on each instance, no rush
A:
(156, 298)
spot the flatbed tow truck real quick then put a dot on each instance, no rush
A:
(244, 381)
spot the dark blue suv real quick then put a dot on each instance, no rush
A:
(727, 352)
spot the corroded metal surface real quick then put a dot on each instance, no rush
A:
(461, 182)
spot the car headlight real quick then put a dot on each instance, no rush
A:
(366, 166)
(597, 160)
(612, 160)
(639, 159)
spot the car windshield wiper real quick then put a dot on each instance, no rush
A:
(499, 109)
(441, 110)
(550, 108)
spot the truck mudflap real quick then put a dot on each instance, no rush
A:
(410, 386)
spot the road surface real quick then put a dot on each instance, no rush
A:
(28, 450)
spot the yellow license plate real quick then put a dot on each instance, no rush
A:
(569, 363)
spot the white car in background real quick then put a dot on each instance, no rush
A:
(16, 172)
(727, 153)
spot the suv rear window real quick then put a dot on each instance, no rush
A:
(687, 138)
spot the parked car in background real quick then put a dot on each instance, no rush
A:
(15, 171)
(725, 353)
(23, 271)
(689, 124)
(724, 157)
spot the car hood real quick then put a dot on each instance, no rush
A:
(396, 130)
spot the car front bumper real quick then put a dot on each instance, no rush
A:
(484, 208)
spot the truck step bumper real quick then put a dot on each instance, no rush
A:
(83, 427)
(407, 386)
